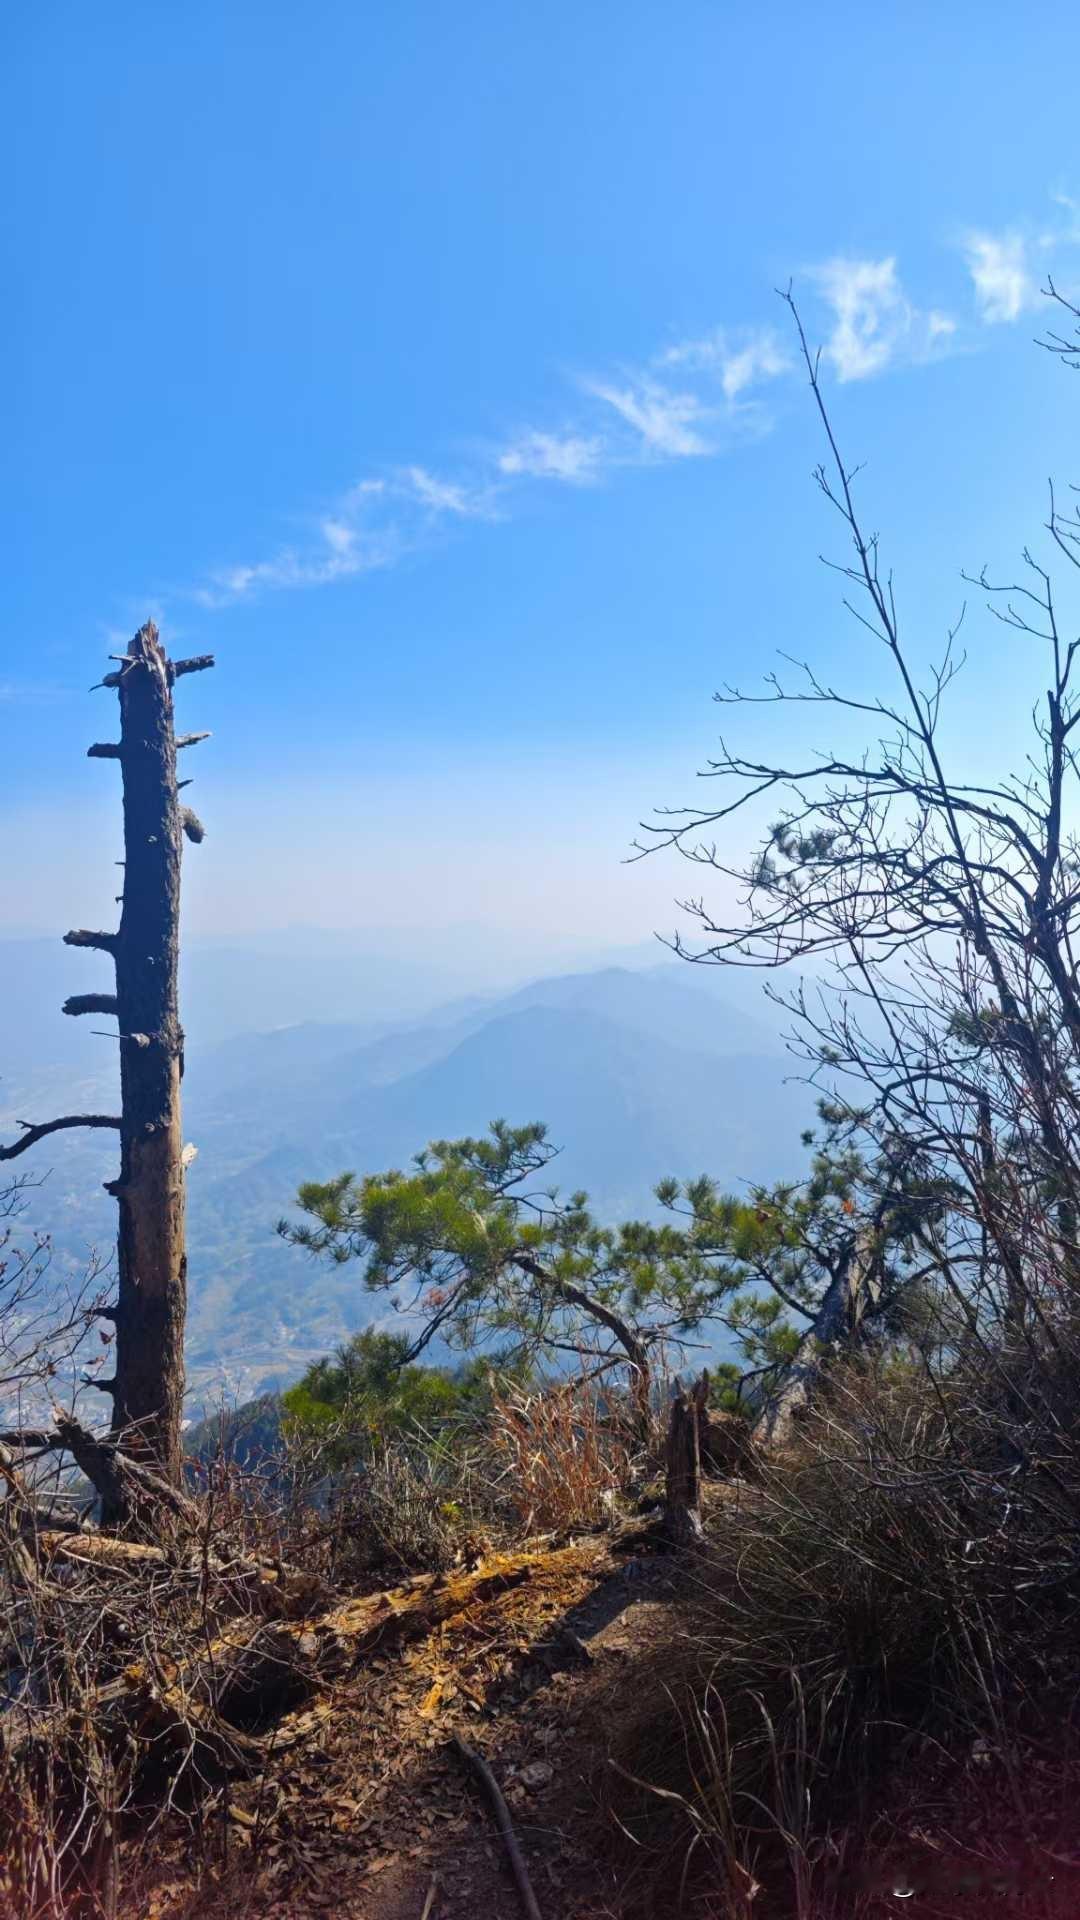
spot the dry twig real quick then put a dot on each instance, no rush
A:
(506, 1827)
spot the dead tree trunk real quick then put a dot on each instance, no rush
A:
(853, 1290)
(682, 1517)
(152, 1262)
(148, 1384)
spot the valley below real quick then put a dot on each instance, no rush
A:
(639, 1072)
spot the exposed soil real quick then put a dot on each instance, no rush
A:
(374, 1815)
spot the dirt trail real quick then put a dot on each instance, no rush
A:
(363, 1814)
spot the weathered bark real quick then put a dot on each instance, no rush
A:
(152, 1266)
(682, 1518)
(148, 1385)
(91, 1003)
(127, 1485)
(853, 1289)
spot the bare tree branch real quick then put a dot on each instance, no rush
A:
(35, 1133)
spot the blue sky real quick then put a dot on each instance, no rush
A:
(424, 362)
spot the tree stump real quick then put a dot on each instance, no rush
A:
(682, 1517)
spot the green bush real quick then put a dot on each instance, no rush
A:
(368, 1388)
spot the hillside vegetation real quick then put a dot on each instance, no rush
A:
(638, 1074)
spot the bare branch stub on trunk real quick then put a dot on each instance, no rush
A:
(150, 1310)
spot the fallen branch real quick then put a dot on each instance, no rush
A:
(506, 1826)
(98, 1549)
(121, 1481)
(57, 1522)
(255, 1684)
(262, 1671)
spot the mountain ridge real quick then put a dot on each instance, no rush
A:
(636, 1074)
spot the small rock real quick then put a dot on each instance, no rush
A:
(536, 1774)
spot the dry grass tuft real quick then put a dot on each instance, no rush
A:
(898, 1597)
(564, 1460)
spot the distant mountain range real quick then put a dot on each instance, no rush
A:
(638, 1073)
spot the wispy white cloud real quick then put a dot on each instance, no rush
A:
(739, 361)
(668, 423)
(761, 359)
(339, 536)
(370, 527)
(574, 458)
(444, 496)
(1003, 282)
(869, 310)
(874, 323)
(381, 519)
(689, 400)
(348, 540)
(287, 568)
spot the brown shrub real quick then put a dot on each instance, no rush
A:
(564, 1461)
